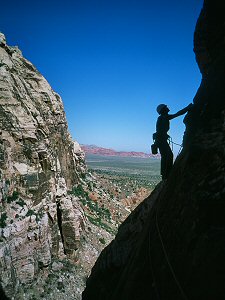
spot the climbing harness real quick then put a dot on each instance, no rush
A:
(154, 147)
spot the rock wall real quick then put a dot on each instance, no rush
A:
(39, 165)
(173, 245)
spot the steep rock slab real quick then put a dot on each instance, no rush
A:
(39, 164)
(179, 253)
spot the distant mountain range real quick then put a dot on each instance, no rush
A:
(93, 149)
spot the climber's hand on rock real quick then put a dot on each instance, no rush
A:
(189, 107)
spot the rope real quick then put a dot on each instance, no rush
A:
(152, 269)
(173, 143)
(177, 144)
(179, 151)
(167, 258)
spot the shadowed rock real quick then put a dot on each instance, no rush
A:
(173, 245)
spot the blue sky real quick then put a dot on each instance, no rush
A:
(112, 62)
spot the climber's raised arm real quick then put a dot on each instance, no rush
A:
(180, 112)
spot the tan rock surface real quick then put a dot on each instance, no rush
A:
(39, 164)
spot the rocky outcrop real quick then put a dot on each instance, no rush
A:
(39, 165)
(172, 245)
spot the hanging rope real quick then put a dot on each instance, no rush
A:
(167, 257)
(173, 143)
(151, 266)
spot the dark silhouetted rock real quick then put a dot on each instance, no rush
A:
(173, 245)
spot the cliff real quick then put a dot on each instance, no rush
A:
(172, 245)
(42, 221)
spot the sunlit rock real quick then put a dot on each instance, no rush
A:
(39, 164)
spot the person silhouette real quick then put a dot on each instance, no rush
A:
(161, 136)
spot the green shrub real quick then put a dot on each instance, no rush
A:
(3, 220)
(99, 223)
(20, 202)
(30, 213)
(79, 191)
(7, 182)
(83, 175)
(12, 198)
(85, 200)
(102, 240)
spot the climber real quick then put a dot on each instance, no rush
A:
(160, 137)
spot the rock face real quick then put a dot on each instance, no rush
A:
(172, 245)
(39, 165)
